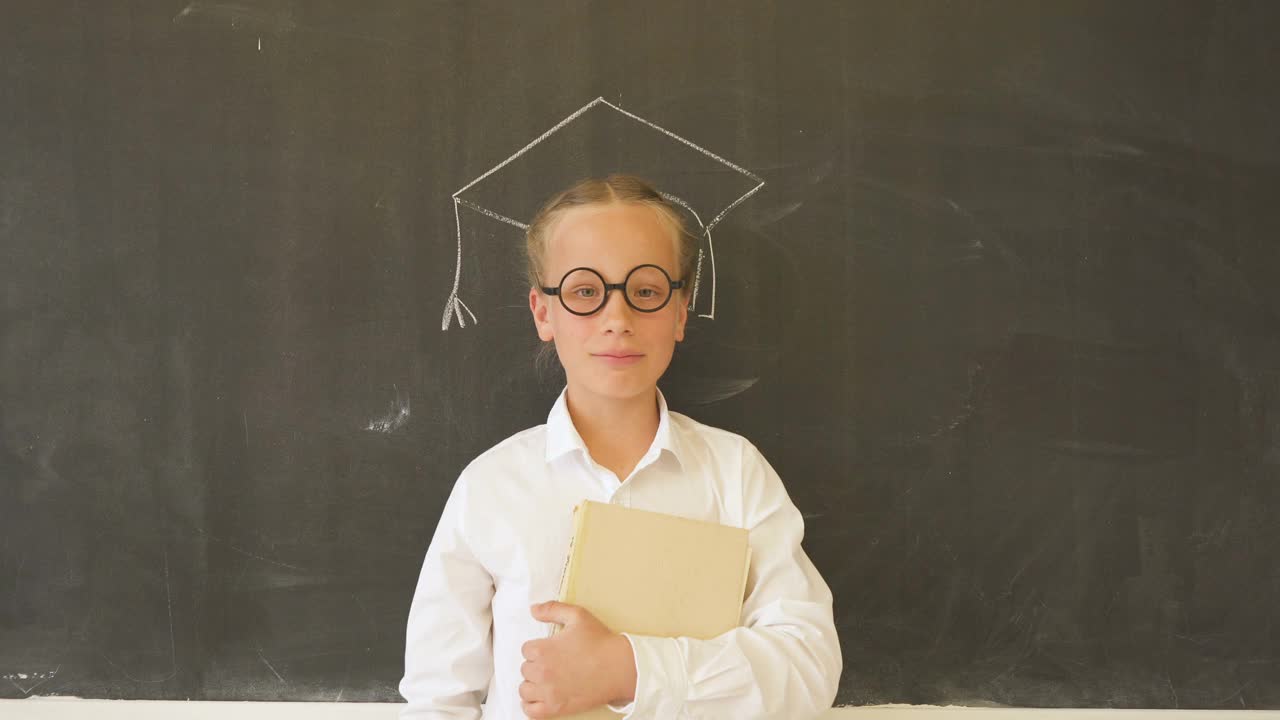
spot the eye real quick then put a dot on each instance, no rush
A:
(585, 292)
(647, 293)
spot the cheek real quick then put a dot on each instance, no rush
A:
(663, 331)
(570, 330)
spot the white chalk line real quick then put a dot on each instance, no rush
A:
(454, 305)
(706, 232)
(457, 271)
(711, 253)
(451, 306)
(676, 137)
(496, 216)
(457, 274)
(530, 146)
(697, 278)
(464, 307)
(716, 220)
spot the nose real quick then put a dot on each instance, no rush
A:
(616, 316)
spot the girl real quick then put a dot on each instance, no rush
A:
(610, 266)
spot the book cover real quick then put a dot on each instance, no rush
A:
(650, 573)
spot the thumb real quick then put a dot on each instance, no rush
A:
(554, 612)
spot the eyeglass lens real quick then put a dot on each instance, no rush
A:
(582, 291)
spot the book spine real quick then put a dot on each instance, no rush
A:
(742, 591)
(565, 594)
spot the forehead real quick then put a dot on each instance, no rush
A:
(611, 238)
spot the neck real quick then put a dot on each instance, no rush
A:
(617, 431)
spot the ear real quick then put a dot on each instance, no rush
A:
(539, 307)
(682, 317)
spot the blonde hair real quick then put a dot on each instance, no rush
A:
(605, 191)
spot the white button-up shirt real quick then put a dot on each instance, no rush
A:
(500, 547)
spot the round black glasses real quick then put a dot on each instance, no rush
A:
(647, 288)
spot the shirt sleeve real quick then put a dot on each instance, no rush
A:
(448, 656)
(783, 662)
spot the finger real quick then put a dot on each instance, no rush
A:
(531, 650)
(535, 710)
(529, 692)
(532, 672)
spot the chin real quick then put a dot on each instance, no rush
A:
(621, 388)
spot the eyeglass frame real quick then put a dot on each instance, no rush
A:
(622, 286)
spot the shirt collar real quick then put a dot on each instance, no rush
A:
(563, 437)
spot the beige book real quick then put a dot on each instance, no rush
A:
(649, 573)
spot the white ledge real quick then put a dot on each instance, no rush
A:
(62, 708)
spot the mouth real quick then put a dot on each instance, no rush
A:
(618, 359)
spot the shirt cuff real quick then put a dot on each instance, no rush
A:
(626, 711)
(661, 681)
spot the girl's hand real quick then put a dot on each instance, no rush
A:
(582, 666)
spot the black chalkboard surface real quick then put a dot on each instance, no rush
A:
(992, 284)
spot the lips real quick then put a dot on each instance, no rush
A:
(618, 358)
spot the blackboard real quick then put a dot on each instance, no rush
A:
(1002, 312)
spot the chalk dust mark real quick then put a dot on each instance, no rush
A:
(236, 16)
(270, 667)
(965, 412)
(168, 596)
(778, 213)
(397, 417)
(248, 554)
(43, 677)
(173, 643)
(715, 390)
(127, 674)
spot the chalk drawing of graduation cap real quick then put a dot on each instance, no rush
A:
(597, 139)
